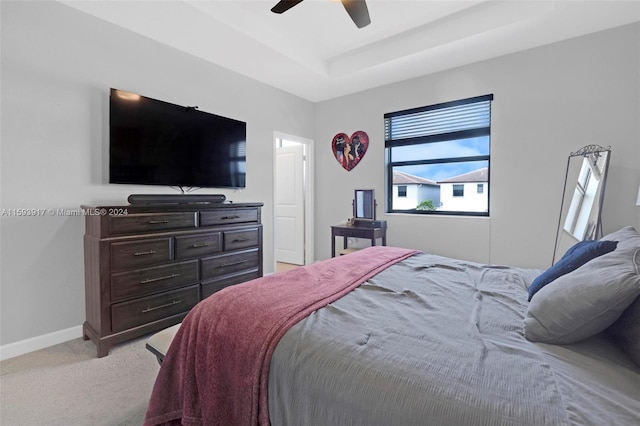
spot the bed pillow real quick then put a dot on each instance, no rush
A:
(575, 257)
(625, 332)
(585, 301)
(622, 235)
(626, 237)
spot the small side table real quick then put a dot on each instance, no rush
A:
(371, 230)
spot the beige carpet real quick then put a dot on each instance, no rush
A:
(67, 385)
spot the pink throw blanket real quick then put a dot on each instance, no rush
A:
(217, 368)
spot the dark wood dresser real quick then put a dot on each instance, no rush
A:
(146, 266)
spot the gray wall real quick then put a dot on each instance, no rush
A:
(548, 102)
(57, 67)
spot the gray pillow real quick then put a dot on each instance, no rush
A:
(625, 332)
(587, 300)
(622, 235)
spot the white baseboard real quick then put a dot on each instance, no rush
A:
(39, 342)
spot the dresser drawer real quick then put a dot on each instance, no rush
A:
(212, 286)
(149, 222)
(198, 245)
(227, 216)
(133, 254)
(234, 240)
(142, 282)
(229, 263)
(137, 312)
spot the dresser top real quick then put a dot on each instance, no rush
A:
(169, 207)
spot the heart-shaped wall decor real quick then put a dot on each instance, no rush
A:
(350, 150)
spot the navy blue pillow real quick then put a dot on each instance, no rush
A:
(574, 258)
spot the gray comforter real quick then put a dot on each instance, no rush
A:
(438, 341)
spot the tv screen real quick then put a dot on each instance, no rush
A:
(157, 143)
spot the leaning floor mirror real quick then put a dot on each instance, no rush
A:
(582, 198)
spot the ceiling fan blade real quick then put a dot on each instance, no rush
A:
(284, 5)
(358, 11)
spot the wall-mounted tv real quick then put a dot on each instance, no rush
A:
(158, 143)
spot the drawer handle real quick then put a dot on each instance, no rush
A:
(152, 280)
(240, 240)
(144, 253)
(155, 222)
(230, 217)
(200, 245)
(173, 302)
(224, 265)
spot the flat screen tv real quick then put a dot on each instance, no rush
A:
(158, 143)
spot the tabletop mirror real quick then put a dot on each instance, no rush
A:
(582, 198)
(364, 204)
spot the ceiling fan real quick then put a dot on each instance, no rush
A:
(357, 10)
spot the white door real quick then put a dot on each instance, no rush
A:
(289, 204)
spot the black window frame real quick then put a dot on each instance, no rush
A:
(390, 143)
(458, 189)
(402, 193)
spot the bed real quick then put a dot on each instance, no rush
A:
(389, 336)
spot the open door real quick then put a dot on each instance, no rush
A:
(289, 205)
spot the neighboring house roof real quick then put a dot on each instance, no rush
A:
(401, 178)
(480, 175)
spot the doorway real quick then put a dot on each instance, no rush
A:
(293, 201)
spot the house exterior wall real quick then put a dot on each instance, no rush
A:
(472, 201)
(416, 193)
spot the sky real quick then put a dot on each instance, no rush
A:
(442, 150)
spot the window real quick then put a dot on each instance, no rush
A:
(441, 148)
(580, 207)
(402, 190)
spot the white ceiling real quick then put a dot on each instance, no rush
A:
(316, 52)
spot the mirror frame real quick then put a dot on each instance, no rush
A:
(364, 202)
(596, 232)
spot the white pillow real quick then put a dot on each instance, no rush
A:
(587, 300)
